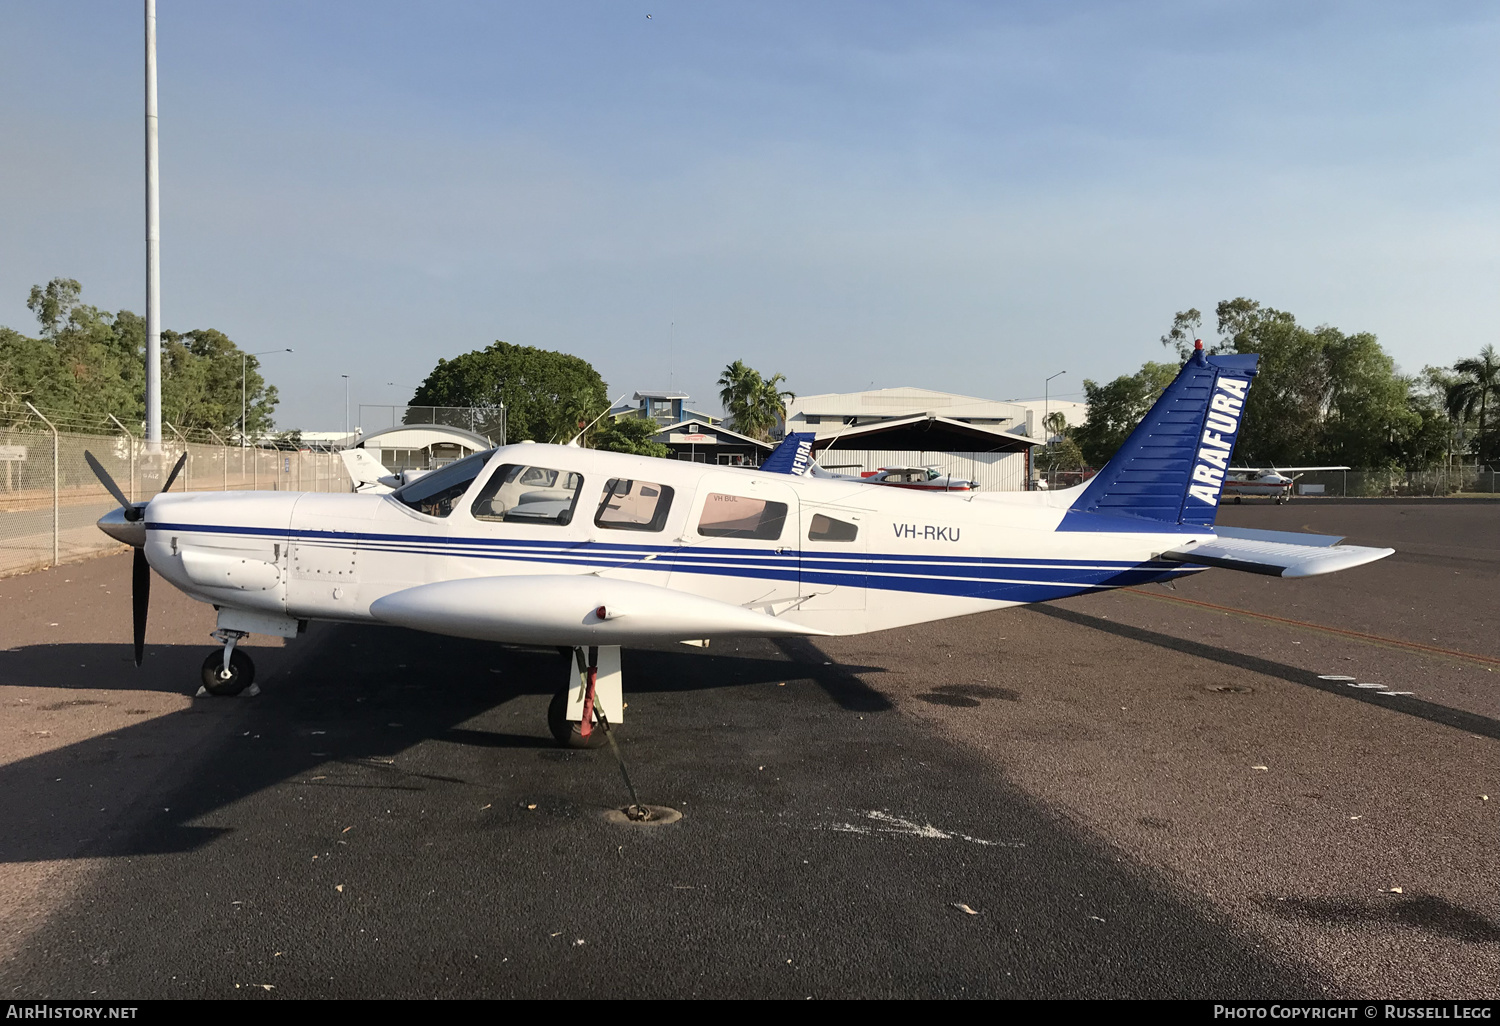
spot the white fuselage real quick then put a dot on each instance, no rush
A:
(847, 558)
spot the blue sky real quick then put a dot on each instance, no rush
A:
(966, 197)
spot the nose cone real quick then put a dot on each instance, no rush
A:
(131, 532)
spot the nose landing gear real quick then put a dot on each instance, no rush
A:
(229, 671)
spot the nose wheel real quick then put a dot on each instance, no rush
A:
(227, 671)
(216, 681)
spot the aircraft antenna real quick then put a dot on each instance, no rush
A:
(575, 438)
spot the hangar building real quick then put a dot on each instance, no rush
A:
(982, 440)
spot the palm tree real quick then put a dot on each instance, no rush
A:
(1478, 381)
(753, 403)
(735, 386)
(1055, 424)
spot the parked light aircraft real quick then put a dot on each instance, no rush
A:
(591, 551)
(1266, 481)
(796, 449)
(922, 479)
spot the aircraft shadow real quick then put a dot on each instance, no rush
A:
(352, 694)
(1423, 911)
(1474, 723)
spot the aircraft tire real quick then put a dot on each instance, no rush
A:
(241, 673)
(565, 731)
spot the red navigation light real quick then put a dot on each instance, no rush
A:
(601, 613)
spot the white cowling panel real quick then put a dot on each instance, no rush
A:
(220, 570)
(564, 610)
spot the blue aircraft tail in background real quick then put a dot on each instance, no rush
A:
(1169, 473)
(793, 456)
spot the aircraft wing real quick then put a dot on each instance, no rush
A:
(1276, 553)
(582, 609)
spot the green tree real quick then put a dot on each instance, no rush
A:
(1116, 408)
(1320, 395)
(1055, 424)
(53, 302)
(753, 403)
(1473, 392)
(89, 364)
(633, 435)
(545, 395)
(1184, 332)
(1064, 454)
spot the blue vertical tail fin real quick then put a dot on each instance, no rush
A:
(792, 456)
(1169, 473)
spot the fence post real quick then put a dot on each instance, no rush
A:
(225, 446)
(131, 439)
(187, 484)
(55, 470)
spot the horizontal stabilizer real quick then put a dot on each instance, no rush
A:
(1289, 537)
(1275, 558)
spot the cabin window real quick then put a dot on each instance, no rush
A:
(436, 493)
(739, 516)
(827, 529)
(634, 505)
(520, 494)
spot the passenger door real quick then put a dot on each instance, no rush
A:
(835, 558)
(740, 543)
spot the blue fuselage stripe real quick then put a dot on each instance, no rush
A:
(996, 578)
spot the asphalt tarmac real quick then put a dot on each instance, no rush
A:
(1150, 793)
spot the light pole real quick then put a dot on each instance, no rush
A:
(153, 246)
(1047, 407)
(244, 360)
(346, 409)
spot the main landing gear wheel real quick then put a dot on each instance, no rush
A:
(566, 731)
(241, 673)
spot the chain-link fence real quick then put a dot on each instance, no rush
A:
(1396, 483)
(50, 499)
(1366, 484)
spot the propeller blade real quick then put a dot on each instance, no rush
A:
(175, 471)
(140, 599)
(104, 479)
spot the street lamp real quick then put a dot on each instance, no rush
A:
(346, 407)
(1047, 406)
(244, 360)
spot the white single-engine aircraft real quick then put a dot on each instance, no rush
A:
(591, 551)
(1266, 481)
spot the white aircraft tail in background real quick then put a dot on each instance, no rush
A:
(370, 477)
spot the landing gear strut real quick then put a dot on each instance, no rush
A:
(594, 687)
(228, 671)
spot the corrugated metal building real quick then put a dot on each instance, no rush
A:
(981, 440)
(996, 461)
